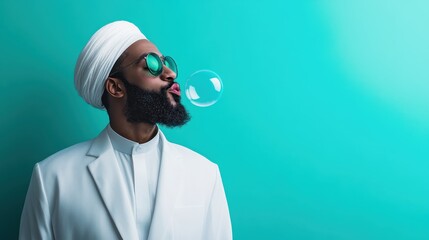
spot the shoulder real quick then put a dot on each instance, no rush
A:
(194, 161)
(64, 158)
(200, 174)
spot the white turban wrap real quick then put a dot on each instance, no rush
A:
(98, 57)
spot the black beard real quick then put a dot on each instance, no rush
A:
(153, 107)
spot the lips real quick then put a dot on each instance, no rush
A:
(174, 89)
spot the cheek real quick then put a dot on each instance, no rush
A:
(152, 84)
(148, 82)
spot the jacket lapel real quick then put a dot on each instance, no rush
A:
(169, 182)
(106, 174)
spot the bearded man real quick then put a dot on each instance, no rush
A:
(130, 182)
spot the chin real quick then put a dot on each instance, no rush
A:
(173, 99)
(173, 103)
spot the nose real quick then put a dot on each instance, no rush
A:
(168, 74)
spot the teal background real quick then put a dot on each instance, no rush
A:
(322, 131)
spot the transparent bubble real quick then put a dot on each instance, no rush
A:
(204, 88)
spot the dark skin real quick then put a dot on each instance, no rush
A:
(138, 75)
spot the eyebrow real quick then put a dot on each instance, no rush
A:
(139, 59)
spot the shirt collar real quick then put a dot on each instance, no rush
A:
(130, 147)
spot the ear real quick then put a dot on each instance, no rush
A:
(115, 87)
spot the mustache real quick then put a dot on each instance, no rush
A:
(169, 86)
(163, 89)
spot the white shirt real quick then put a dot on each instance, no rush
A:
(139, 165)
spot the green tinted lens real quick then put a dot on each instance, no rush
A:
(171, 64)
(154, 64)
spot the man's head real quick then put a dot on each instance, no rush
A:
(144, 96)
(112, 72)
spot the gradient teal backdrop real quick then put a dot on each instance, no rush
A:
(322, 131)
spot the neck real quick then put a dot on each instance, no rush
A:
(137, 132)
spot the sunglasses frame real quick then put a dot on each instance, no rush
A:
(144, 56)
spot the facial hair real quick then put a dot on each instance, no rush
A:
(154, 107)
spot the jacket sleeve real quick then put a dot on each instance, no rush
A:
(218, 219)
(35, 218)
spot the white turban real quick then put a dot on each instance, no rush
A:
(98, 57)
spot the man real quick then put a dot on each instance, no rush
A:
(129, 182)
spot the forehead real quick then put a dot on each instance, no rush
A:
(140, 47)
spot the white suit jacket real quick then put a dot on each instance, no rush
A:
(78, 193)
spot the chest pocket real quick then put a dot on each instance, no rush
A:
(188, 222)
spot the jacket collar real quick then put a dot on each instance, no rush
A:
(106, 174)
